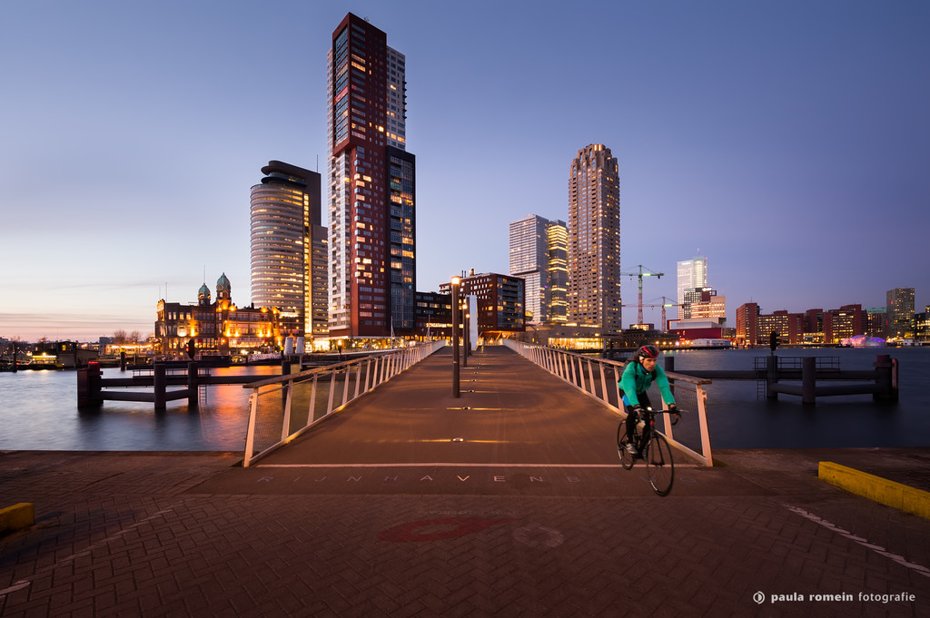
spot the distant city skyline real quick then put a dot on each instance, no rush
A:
(788, 143)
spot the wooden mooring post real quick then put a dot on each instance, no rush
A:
(160, 382)
(89, 393)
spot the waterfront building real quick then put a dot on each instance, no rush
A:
(704, 304)
(899, 306)
(594, 240)
(288, 244)
(922, 325)
(217, 328)
(501, 301)
(433, 314)
(372, 186)
(747, 324)
(692, 275)
(877, 322)
(814, 326)
(557, 252)
(843, 323)
(538, 255)
(689, 329)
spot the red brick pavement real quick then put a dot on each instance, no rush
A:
(185, 534)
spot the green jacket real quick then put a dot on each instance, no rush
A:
(636, 380)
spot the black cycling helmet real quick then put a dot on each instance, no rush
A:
(647, 351)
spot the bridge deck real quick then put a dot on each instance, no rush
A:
(510, 412)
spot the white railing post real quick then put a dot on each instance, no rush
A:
(358, 379)
(311, 409)
(286, 423)
(250, 432)
(345, 387)
(705, 431)
(332, 391)
(604, 396)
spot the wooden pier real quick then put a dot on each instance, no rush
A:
(881, 382)
(93, 389)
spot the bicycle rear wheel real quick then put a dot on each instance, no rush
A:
(659, 466)
(626, 457)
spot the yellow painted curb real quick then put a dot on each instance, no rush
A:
(18, 516)
(881, 490)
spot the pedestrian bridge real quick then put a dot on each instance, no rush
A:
(519, 405)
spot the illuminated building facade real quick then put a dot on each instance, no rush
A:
(594, 240)
(814, 326)
(899, 305)
(692, 275)
(557, 252)
(539, 255)
(501, 301)
(289, 259)
(217, 328)
(922, 325)
(704, 304)
(372, 186)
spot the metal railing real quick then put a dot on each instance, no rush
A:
(598, 378)
(307, 398)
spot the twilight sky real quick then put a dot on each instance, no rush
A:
(789, 142)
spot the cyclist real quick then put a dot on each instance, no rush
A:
(638, 376)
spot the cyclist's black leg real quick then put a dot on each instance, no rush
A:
(631, 424)
(645, 403)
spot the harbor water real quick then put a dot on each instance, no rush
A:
(38, 410)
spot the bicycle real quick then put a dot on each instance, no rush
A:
(656, 453)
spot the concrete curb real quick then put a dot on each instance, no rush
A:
(17, 517)
(875, 488)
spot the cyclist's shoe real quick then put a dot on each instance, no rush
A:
(632, 450)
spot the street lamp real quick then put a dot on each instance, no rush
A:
(466, 327)
(456, 281)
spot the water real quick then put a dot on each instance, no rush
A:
(737, 418)
(38, 411)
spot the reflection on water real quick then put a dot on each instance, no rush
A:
(38, 411)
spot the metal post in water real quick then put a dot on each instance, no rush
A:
(193, 396)
(809, 381)
(886, 378)
(160, 382)
(771, 376)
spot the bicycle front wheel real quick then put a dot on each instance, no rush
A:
(659, 466)
(626, 457)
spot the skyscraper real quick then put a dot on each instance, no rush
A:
(594, 239)
(372, 186)
(529, 261)
(557, 250)
(692, 275)
(899, 305)
(538, 249)
(288, 248)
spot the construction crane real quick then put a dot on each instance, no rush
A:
(665, 304)
(643, 272)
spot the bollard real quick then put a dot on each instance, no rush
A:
(122, 361)
(809, 381)
(160, 383)
(193, 395)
